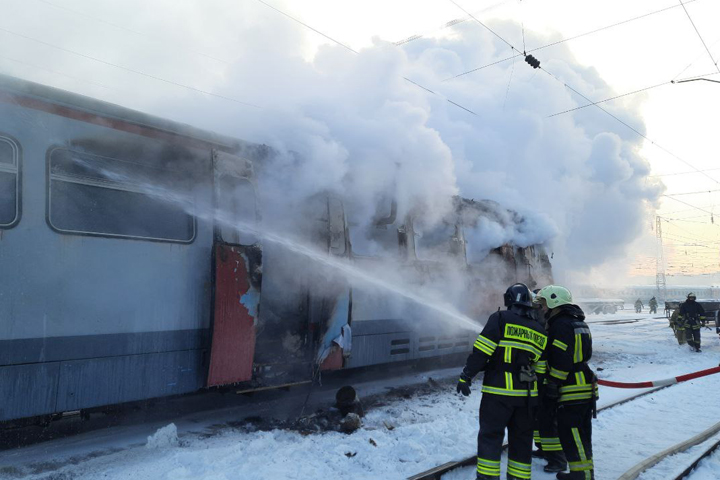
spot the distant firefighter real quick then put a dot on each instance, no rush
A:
(653, 305)
(691, 319)
(679, 333)
(638, 306)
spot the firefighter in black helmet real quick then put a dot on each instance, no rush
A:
(507, 350)
(690, 319)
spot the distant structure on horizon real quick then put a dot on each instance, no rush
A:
(645, 292)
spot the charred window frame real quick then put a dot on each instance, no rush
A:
(236, 202)
(96, 195)
(10, 181)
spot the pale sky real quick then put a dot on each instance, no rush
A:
(681, 118)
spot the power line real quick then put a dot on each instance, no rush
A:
(568, 39)
(629, 93)
(609, 99)
(120, 27)
(696, 59)
(451, 23)
(306, 26)
(481, 23)
(691, 193)
(701, 38)
(132, 70)
(642, 135)
(355, 52)
(683, 173)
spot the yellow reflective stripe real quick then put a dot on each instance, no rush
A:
(578, 357)
(551, 444)
(485, 345)
(508, 354)
(522, 346)
(488, 467)
(462, 381)
(536, 436)
(508, 381)
(560, 374)
(575, 396)
(541, 366)
(519, 470)
(509, 393)
(486, 341)
(578, 443)
(580, 378)
(581, 466)
(576, 388)
(525, 334)
(483, 348)
(562, 346)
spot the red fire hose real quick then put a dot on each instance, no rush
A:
(660, 383)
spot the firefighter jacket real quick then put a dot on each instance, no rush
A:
(692, 315)
(510, 342)
(568, 351)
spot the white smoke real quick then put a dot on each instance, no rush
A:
(350, 124)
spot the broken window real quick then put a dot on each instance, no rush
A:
(97, 195)
(337, 226)
(237, 210)
(437, 241)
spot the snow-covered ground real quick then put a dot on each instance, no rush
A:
(407, 436)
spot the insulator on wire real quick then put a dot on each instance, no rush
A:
(534, 62)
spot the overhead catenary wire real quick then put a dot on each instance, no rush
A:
(700, 36)
(128, 69)
(634, 92)
(451, 23)
(126, 29)
(558, 42)
(355, 52)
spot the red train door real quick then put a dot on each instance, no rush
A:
(237, 267)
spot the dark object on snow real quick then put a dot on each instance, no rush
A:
(350, 423)
(346, 401)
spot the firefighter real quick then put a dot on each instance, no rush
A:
(679, 333)
(653, 305)
(507, 350)
(638, 306)
(571, 386)
(691, 319)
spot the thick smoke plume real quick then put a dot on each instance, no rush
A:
(353, 125)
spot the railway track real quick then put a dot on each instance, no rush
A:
(647, 464)
(436, 473)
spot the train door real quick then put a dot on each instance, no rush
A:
(237, 267)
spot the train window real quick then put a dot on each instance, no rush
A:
(96, 195)
(9, 183)
(437, 241)
(337, 226)
(237, 210)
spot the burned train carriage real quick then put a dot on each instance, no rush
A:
(125, 273)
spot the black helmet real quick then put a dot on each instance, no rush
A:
(518, 294)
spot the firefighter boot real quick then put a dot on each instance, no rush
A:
(577, 475)
(556, 462)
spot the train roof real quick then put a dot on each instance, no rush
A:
(40, 96)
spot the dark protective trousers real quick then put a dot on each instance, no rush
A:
(692, 333)
(575, 430)
(548, 430)
(497, 414)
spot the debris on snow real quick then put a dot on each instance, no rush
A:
(165, 437)
(350, 423)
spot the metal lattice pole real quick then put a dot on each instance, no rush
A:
(660, 284)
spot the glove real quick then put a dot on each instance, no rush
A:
(463, 385)
(551, 393)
